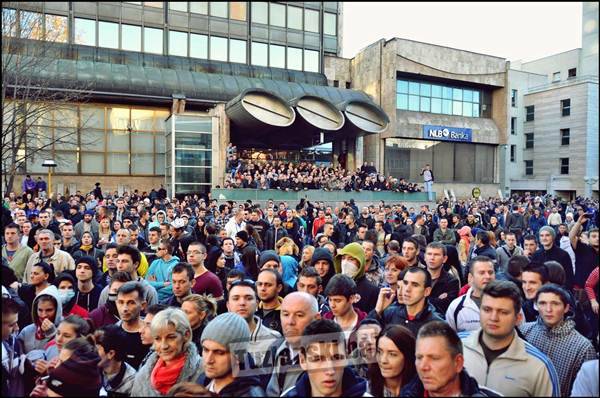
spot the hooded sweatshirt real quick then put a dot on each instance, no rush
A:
(367, 291)
(322, 253)
(28, 334)
(162, 270)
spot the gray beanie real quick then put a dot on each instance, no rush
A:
(268, 255)
(548, 229)
(226, 329)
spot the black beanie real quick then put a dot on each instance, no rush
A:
(76, 377)
(91, 261)
(243, 235)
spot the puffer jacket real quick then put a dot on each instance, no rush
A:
(192, 369)
(240, 387)
(352, 386)
(566, 348)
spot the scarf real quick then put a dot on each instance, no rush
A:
(163, 377)
(39, 333)
(86, 248)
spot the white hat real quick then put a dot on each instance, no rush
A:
(178, 223)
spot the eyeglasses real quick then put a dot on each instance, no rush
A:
(243, 282)
(161, 248)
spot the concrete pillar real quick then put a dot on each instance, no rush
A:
(221, 135)
(359, 151)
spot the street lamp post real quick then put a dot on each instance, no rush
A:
(49, 163)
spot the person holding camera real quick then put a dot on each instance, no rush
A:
(427, 174)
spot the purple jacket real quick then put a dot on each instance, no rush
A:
(28, 184)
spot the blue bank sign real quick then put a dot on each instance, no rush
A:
(444, 133)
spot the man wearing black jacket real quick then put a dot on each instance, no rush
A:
(551, 252)
(445, 286)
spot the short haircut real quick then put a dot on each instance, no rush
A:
(236, 273)
(167, 243)
(154, 229)
(156, 308)
(412, 241)
(246, 283)
(12, 225)
(530, 237)
(184, 267)
(133, 252)
(196, 243)
(278, 277)
(478, 259)
(442, 329)
(414, 270)
(311, 272)
(340, 285)
(119, 276)
(133, 228)
(112, 337)
(9, 306)
(174, 317)
(556, 273)
(504, 289)
(321, 331)
(593, 230)
(483, 237)
(556, 289)
(508, 233)
(438, 246)
(111, 245)
(516, 265)
(539, 269)
(130, 287)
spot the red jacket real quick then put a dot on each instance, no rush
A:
(351, 343)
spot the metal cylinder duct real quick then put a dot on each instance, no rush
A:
(260, 109)
(364, 116)
(318, 112)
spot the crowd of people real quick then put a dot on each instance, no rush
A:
(290, 176)
(143, 295)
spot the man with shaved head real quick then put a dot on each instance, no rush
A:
(298, 309)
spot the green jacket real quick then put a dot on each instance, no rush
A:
(19, 260)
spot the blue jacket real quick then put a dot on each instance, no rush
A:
(536, 223)
(162, 270)
(352, 386)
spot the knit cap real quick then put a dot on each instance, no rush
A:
(88, 212)
(76, 377)
(321, 253)
(355, 250)
(268, 255)
(548, 229)
(243, 235)
(228, 328)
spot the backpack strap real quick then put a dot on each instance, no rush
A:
(458, 308)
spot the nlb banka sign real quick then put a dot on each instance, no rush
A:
(445, 133)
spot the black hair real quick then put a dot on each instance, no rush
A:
(539, 269)
(10, 306)
(504, 289)
(311, 272)
(236, 273)
(439, 246)
(478, 259)
(556, 289)
(184, 267)
(134, 253)
(516, 265)
(414, 270)
(156, 308)
(244, 282)
(483, 237)
(111, 245)
(278, 278)
(529, 237)
(112, 337)
(120, 276)
(82, 326)
(321, 331)
(12, 225)
(556, 273)
(46, 269)
(155, 229)
(130, 287)
(442, 329)
(340, 285)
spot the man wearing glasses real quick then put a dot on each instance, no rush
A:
(205, 282)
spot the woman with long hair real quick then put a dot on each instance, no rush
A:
(464, 244)
(199, 309)
(105, 234)
(248, 263)
(395, 365)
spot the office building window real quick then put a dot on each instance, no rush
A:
(237, 10)
(85, 32)
(348, 85)
(178, 6)
(260, 12)
(572, 73)
(528, 140)
(153, 41)
(529, 167)
(513, 98)
(294, 58)
(218, 48)
(556, 77)
(294, 18)
(9, 18)
(329, 24)
(260, 54)
(435, 98)
(277, 17)
(336, 83)
(57, 29)
(108, 34)
(565, 107)
(311, 20)
(178, 43)
(198, 46)
(31, 24)
(513, 125)
(565, 136)
(564, 165)
(237, 51)
(311, 61)
(276, 56)
(218, 9)
(513, 153)
(529, 113)
(199, 7)
(131, 37)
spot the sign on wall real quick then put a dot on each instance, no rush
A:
(445, 133)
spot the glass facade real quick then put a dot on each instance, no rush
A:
(452, 162)
(96, 139)
(437, 98)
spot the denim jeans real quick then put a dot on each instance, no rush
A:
(429, 190)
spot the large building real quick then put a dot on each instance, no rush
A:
(553, 118)
(447, 107)
(165, 86)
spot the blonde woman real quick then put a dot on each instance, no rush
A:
(464, 244)
(307, 253)
(288, 253)
(104, 233)
(175, 358)
(200, 309)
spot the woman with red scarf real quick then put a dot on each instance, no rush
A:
(175, 358)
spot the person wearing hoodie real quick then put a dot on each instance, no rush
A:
(337, 380)
(322, 261)
(159, 273)
(554, 334)
(88, 290)
(373, 267)
(66, 285)
(220, 336)
(350, 261)
(46, 313)
(175, 359)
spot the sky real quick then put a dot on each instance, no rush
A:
(515, 31)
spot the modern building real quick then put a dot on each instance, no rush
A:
(553, 119)
(163, 87)
(447, 107)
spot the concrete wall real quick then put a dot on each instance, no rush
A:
(561, 62)
(589, 42)
(337, 69)
(85, 184)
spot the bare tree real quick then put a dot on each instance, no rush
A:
(35, 104)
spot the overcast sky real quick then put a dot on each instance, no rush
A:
(514, 31)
